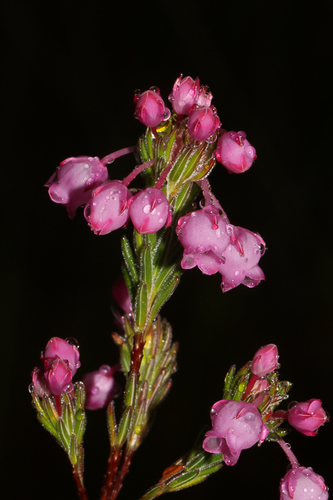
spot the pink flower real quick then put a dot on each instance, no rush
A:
(107, 210)
(184, 94)
(121, 295)
(74, 181)
(204, 236)
(203, 123)
(39, 382)
(307, 417)
(149, 210)
(301, 483)
(100, 387)
(241, 258)
(204, 97)
(235, 152)
(150, 108)
(58, 377)
(236, 426)
(58, 348)
(265, 360)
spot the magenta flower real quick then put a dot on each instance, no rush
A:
(74, 180)
(204, 97)
(149, 210)
(204, 236)
(203, 123)
(107, 210)
(58, 377)
(235, 152)
(58, 348)
(301, 483)
(236, 426)
(307, 417)
(100, 387)
(121, 295)
(265, 360)
(150, 108)
(241, 257)
(184, 94)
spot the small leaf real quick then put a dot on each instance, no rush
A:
(130, 389)
(124, 426)
(112, 423)
(141, 305)
(129, 260)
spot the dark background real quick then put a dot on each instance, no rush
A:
(69, 73)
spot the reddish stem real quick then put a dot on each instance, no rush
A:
(163, 176)
(113, 156)
(80, 488)
(137, 171)
(121, 475)
(286, 448)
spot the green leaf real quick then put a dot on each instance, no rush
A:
(162, 296)
(124, 426)
(130, 389)
(141, 305)
(112, 423)
(129, 260)
(147, 267)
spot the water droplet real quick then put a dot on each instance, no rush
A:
(31, 388)
(105, 368)
(95, 390)
(72, 341)
(146, 209)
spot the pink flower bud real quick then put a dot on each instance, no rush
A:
(100, 387)
(149, 210)
(236, 426)
(107, 210)
(58, 377)
(235, 152)
(301, 483)
(204, 97)
(39, 382)
(74, 181)
(121, 295)
(204, 236)
(241, 258)
(203, 123)
(59, 348)
(150, 108)
(307, 417)
(184, 94)
(265, 360)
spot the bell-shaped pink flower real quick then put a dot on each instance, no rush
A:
(236, 426)
(301, 483)
(241, 257)
(235, 152)
(203, 123)
(121, 295)
(58, 348)
(58, 377)
(149, 210)
(184, 94)
(74, 181)
(265, 360)
(100, 387)
(150, 108)
(307, 417)
(107, 209)
(204, 236)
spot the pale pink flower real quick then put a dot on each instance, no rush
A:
(149, 210)
(235, 152)
(301, 483)
(100, 387)
(265, 360)
(184, 94)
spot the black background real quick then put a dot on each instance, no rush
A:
(69, 72)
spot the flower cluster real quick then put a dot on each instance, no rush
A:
(60, 361)
(239, 424)
(209, 240)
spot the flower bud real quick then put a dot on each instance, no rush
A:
(301, 483)
(204, 236)
(241, 258)
(235, 152)
(100, 387)
(204, 96)
(149, 210)
(121, 295)
(59, 348)
(307, 417)
(150, 108)
(265, 360)
(107, 210)
(58, 377)
(203, 123)
(74, 181)
(236, 426)
(39, 382)
(184, 94)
